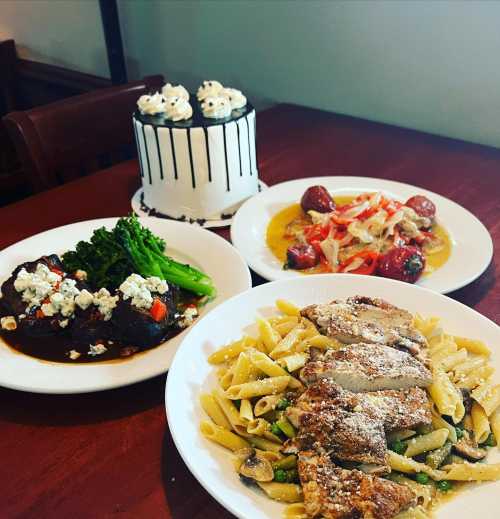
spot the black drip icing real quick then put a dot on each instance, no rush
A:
(225, 157)
(249, 148)
(147, 154)
(205, 131)
(176, 176)
(239, 146)
(193, 179)
(159, 154)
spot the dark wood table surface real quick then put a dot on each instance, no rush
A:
(110, 454)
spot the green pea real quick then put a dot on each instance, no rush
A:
(280, 476)
(282, 404)
(444, 486)
(398, 446)
(422, 478)
(275, 429)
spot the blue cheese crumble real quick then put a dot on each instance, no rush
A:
(139, 289)
(96, 349)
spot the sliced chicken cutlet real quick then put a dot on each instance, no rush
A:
(368, 320)
(396, 409)
(346, 435)
(335, 493)
(368, 367)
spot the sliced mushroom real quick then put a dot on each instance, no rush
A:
(467, 400)
(257, 468)
(469, 449)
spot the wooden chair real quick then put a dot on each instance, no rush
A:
(67, 139)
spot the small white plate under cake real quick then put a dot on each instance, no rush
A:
(471, 244)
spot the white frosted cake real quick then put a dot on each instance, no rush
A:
(197, 153)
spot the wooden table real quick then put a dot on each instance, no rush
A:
(110, 454)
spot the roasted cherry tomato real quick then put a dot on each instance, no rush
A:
(422, 206)
(301, 257)
(402, 263)
(317, 198)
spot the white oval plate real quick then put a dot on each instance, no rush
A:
(472, 245)
(190, 374)
(202, 249)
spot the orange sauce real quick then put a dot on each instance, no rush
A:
(278, 240)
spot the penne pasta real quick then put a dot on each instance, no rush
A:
(269, 367)
(413, 513)
(266, 404)
(480, 423)
(264, 444)
(295, 511)
(438, 422)
(213, 410)
(285, 492)
(246, 411)
(410, 466)
(449, 362)
(462, 370)
(265, 386)
(222, 436)
(424, 493)
(231, 350)
(472, 346)
(270, 337)
(285, 328)
(257, 427)
(473, 472)
(293, 362)
(446, 396)
(487, 396)
(495, 424)
(230, 410)
(426, 442)
(287, 308)
(285, 345)
(475, 377)
(400, 435)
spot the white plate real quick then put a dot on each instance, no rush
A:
(139, 209)
(472, 245)
(191, 374)
(202, 249)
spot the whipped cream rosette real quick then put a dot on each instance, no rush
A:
(151, 104)
(235, 97)
(170, 90)
(177, 109)
(209, 88)
(216, 107)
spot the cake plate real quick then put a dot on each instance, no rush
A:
(140, 209)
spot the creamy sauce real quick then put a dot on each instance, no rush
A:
(278, 240)
(56, 347)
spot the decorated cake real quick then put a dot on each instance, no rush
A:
(196, 152)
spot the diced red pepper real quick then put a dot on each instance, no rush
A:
(368, 266)
(55, 270)
(158, 310)
(39, 314)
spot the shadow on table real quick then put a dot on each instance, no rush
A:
(89, 408)
(472, 294)
(184, 495)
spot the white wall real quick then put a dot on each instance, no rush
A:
(429, 65)
(67, 33)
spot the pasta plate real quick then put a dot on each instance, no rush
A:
(470, 239)
(191, 375)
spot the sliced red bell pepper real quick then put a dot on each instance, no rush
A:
(368, 266)
(158, 310)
